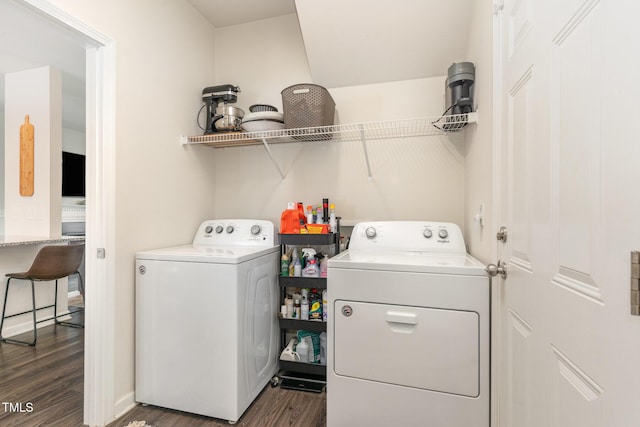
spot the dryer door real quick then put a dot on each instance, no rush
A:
(431, 349)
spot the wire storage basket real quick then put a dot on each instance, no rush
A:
(308, 105)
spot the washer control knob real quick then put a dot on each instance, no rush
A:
(255, 230)
(443, 233)
(370, 232)
(230, 229)
(219, 229)
(427, 233)
(208, 229)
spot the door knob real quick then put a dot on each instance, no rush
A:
(493, 270)
(502, 234)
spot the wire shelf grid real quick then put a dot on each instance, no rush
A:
(425, 126)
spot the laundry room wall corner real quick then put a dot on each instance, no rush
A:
(479, 137)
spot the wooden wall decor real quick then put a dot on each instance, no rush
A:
(26, 158)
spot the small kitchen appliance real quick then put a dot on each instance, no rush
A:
(460, 78)
(221, 117)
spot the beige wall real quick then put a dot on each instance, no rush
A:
(166, 53)
(38, 94)
(479, 138)
(413, 179)
(163, 190)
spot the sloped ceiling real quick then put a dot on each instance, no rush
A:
(354, 42)
(348, 42)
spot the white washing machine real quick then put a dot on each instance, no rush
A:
(408, 329)
(206, 319)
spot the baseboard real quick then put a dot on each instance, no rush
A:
(125, 404)
(21, 328)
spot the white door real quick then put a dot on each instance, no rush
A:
(569, 150)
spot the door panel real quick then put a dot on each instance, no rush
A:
(567, 161)
(420, 347)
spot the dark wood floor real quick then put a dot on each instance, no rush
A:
(274, 407)
(43, 386)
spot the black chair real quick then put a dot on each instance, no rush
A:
(51, 263)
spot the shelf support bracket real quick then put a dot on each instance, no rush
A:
(363, 139)
(273, 159)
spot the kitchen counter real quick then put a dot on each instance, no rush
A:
(6, 241)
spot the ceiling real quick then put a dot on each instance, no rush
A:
(355, 42)
(347, 42)
(29, 40)
(224, 13)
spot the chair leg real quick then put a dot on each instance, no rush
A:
(4, 308)
(35, 323)
(65, 322)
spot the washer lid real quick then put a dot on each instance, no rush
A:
(410, 261)
(205, 253)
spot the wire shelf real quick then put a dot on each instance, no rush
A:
(426, 126)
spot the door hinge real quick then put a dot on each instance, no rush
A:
(501, 235)
(100, 253)
(635, 283)
(498, 5)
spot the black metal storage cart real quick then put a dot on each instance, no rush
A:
(293, 374)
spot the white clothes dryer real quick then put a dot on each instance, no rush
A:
(408, 329)
(206, 319)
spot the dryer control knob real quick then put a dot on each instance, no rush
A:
(230, 229)
(219, 229)
(427, 233)
(370, 232)
(208, 229)
(443, 233)
(255, 230)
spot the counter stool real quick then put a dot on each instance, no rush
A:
(51, 263)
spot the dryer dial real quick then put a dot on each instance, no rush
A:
(427, 233)
(255, 230)
(219, 229)
(208, 229)
(230, 229)
(443, 233)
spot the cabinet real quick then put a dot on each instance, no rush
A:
(295, 374)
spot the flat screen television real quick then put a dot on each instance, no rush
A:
(73, 175)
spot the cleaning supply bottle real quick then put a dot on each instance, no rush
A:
(333, 221)
(289, 305)
(309, 215)
(302, 348)
(304, 308)
(297, 266)
(323, 265)
(284, 265)
(311, 269)
(294, 256)
(325, 306)
(296, 308)
(289, 220)
(325, 211)
(323, 348)
(301, 216)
